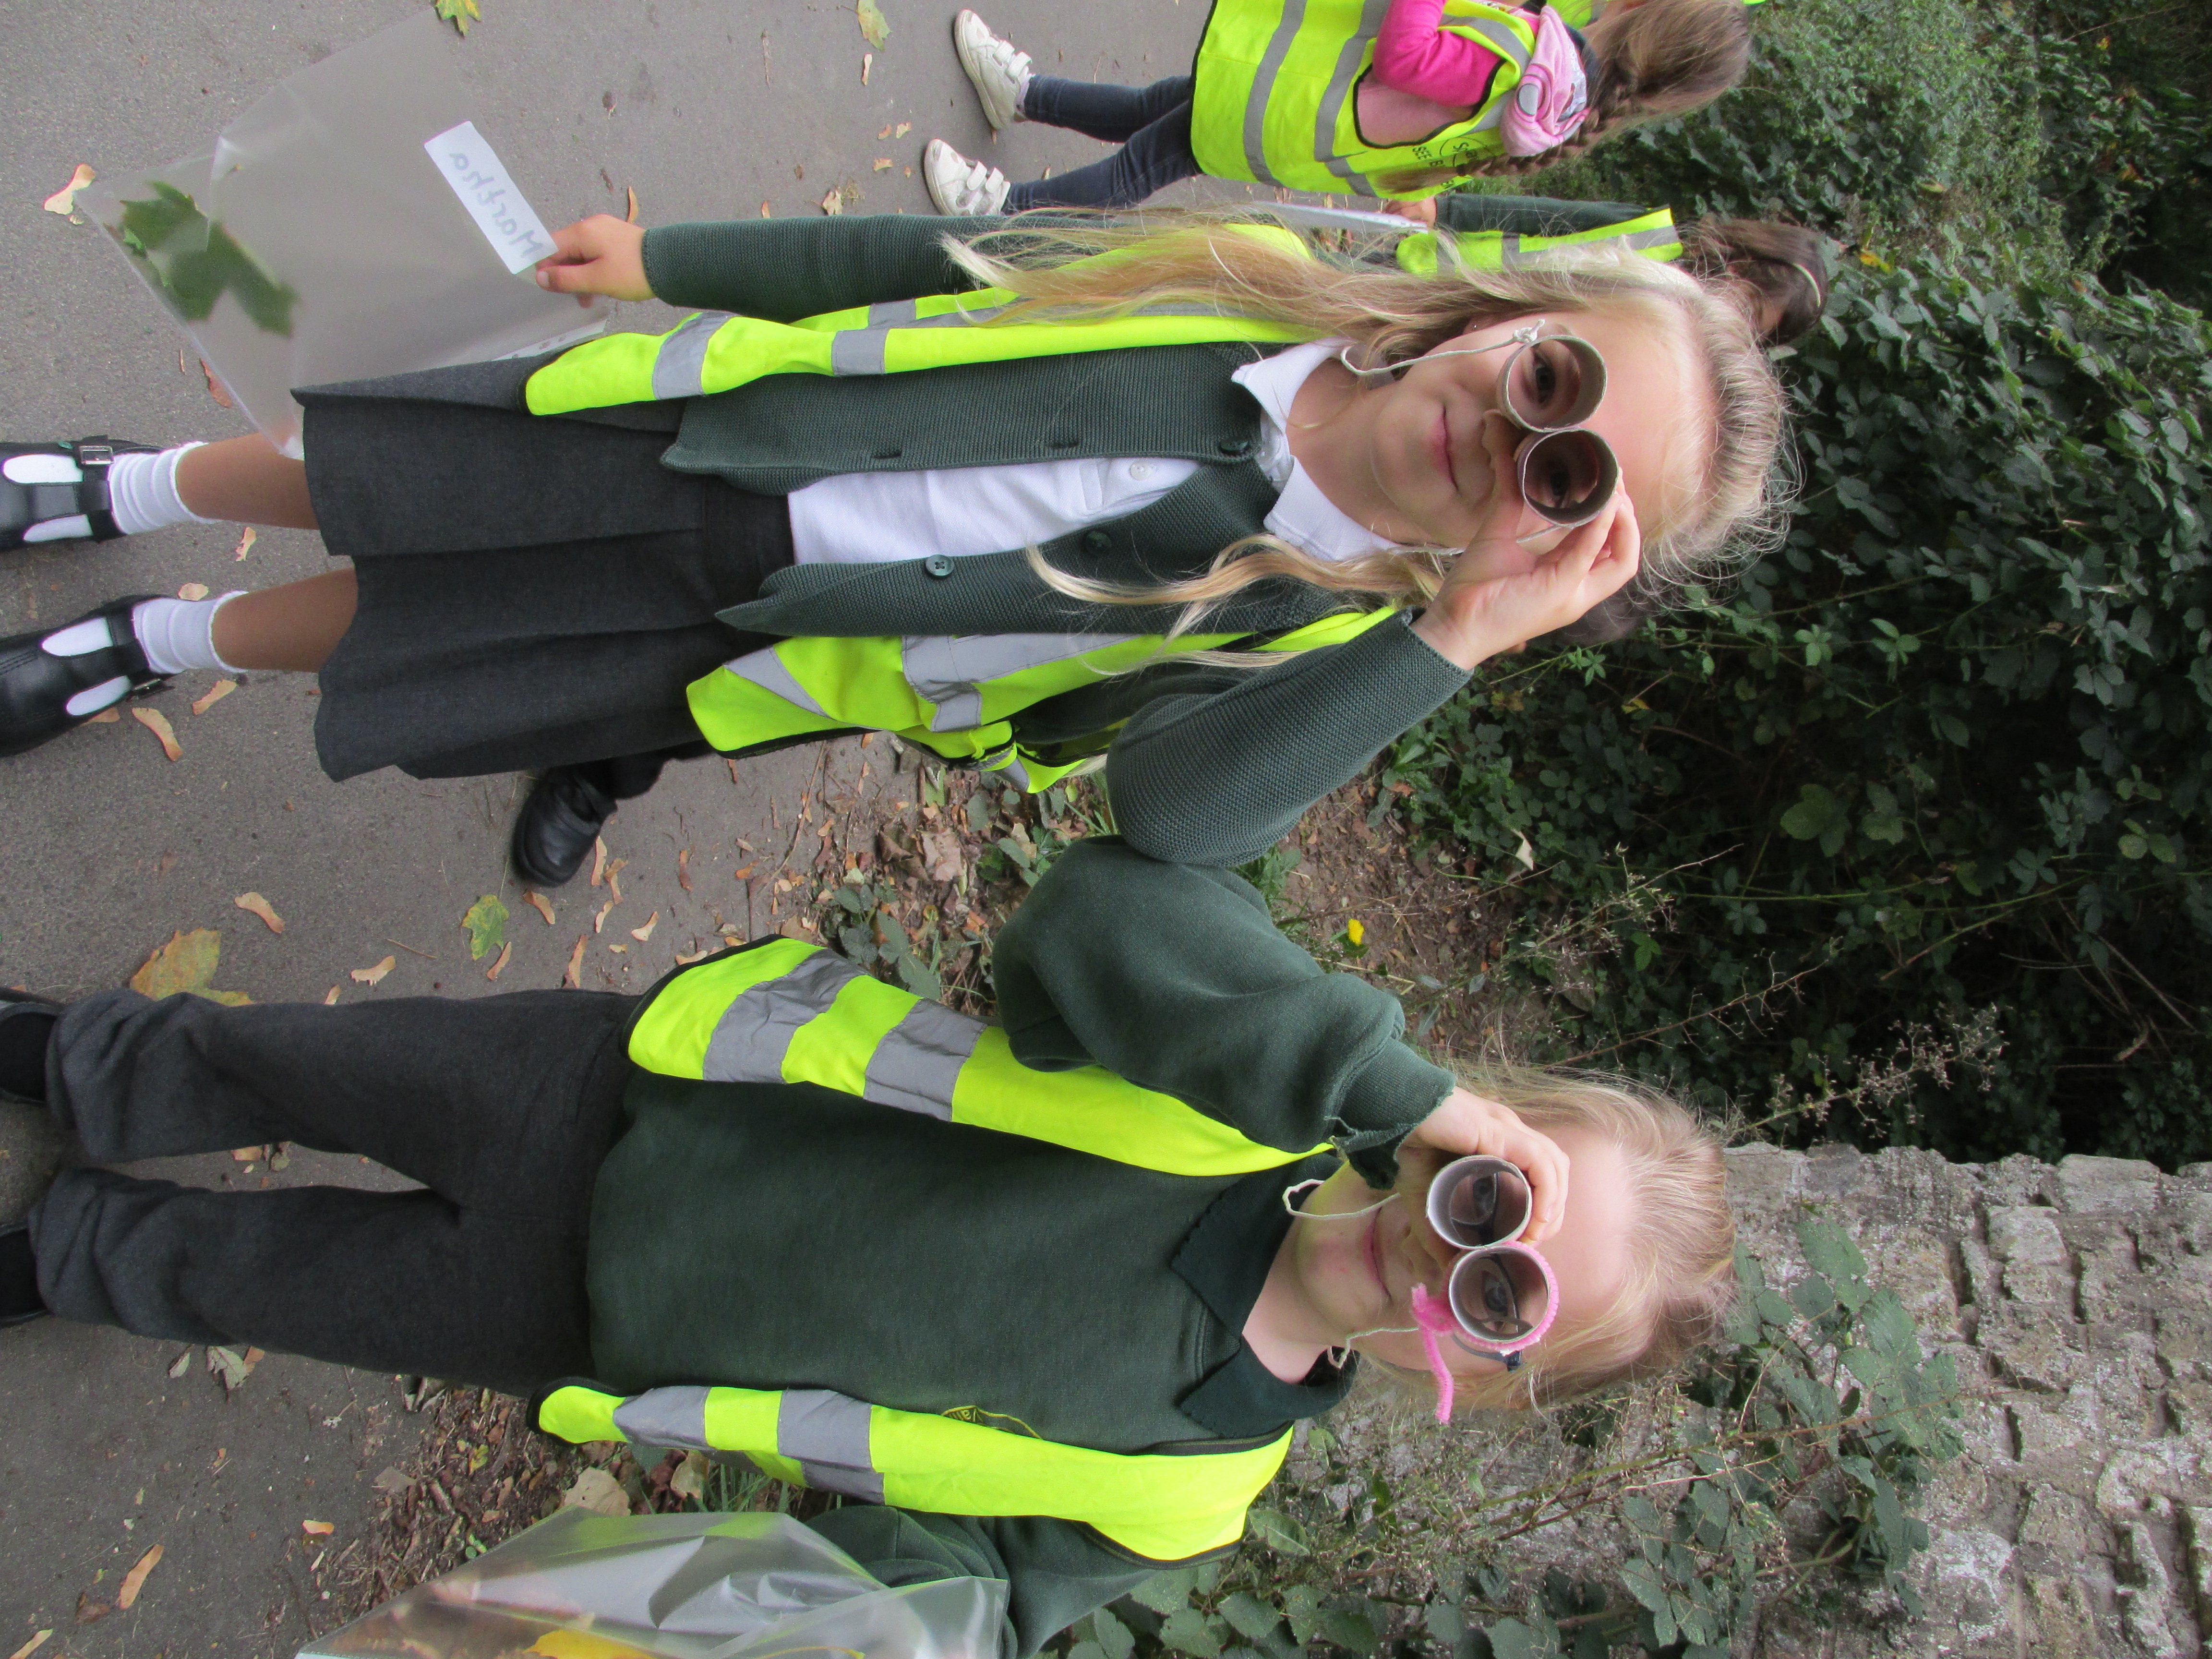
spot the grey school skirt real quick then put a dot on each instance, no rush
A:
(533, 592)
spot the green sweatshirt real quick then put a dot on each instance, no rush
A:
(779, 1236)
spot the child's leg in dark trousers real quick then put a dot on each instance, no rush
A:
(502, 1106)
(1152, 124)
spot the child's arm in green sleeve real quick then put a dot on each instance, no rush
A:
(1175, 978)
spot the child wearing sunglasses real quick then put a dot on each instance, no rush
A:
(1048, 1296)
(989, 491)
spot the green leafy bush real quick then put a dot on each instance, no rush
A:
(1915, 822)
(1820, 1401)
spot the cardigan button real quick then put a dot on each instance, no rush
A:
(1097, 541)
(1237, 447)
(936, 565)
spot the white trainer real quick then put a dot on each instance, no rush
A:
(1000, 74)
(961, 188)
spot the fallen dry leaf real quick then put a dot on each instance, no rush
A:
(214, 695)
(599, 921)
(31, 1646)
(216, 390)
(614, 878)
(886, 132)
(135, 1580)
(254, 905)
(599, 860)
(832, 203)
(641, 934)
(940, 855)
(684, 869)
(630, 217)
(182, 1364)
(538, 901)
(246, 541)
(573, 979)
(868, 64)
(685, 958)
(193, 591)
(393, 1482)
(619, 950)
(599, 1492)
(89, 1611)
(902, 129)
(186, 963)
(63, 201)
(874, 27)
(689, 1478)
(246, 1154)
(158, 723)
(740, 875)
(318, 1528)
(373, 976)
(106, 717)
(505, 952)
(881, 164)
(232, 1366)
(331, 997)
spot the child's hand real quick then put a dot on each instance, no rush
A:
(1466, 1124)
(598, 255)
(1499, 595)
(1423, 212)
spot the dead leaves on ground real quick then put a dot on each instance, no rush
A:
(500, 966)
(188, 962)
(233, 1367)
(485, 923)
(63, 201)
(158, 723)
(246, 540)
(216, 389)
(538, 901)
(573, 979)
(874, 29)
(254, 905)
(641, 934)
(374, 975)
(215, 692)
(193, 591)
(135, 1580)
(598, 1491)
(460, 14)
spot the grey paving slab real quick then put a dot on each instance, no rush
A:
(706, 110)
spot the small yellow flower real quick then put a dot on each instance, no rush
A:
(1354, 931)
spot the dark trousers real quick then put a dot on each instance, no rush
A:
(502, 1106)
(1152, 124)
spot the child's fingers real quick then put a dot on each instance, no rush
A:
(1466, 1123)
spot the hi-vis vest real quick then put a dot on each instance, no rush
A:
(1651, 233)
(1276, 95)
(789, 1012)
(951, 695)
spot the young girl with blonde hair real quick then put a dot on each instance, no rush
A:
(1316, 97)
(1047, 1298)
(863, 490)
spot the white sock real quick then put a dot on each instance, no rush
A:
(179, 634)
(141, 492)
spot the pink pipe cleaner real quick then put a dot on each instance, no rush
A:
(1434, 1316)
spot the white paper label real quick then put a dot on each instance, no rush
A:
(516, 235)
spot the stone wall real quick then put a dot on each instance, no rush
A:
(2077, 1302)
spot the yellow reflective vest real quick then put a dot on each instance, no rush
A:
(1651, 233)
(954, 695)
(786, 1011)
(1275, 95)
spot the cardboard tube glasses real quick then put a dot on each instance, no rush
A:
(1551, 385)
(1502, 1294)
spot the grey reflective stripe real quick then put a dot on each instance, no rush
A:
(679, 367)
(861, 350)
(1509, 252)
(1340, 88)
(755, 1031)
(827, 1435)
(666, 1417)
(1263, 89)
(766, 670)
(919, 1060)
(949, 669)
(1640, 240)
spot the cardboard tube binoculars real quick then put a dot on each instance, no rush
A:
(1501, 1292)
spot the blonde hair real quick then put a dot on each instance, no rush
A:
(1680, 1243)
(1659, 58)
(1213, 261)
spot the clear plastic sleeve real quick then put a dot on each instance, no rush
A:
(701, 1586)
(319, 240)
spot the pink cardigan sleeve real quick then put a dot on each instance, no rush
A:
(1415, 54)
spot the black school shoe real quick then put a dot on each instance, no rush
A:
(38, 687)
(24, 506)
(23, 1055)
(554, 830)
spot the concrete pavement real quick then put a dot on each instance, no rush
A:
(707, 110)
